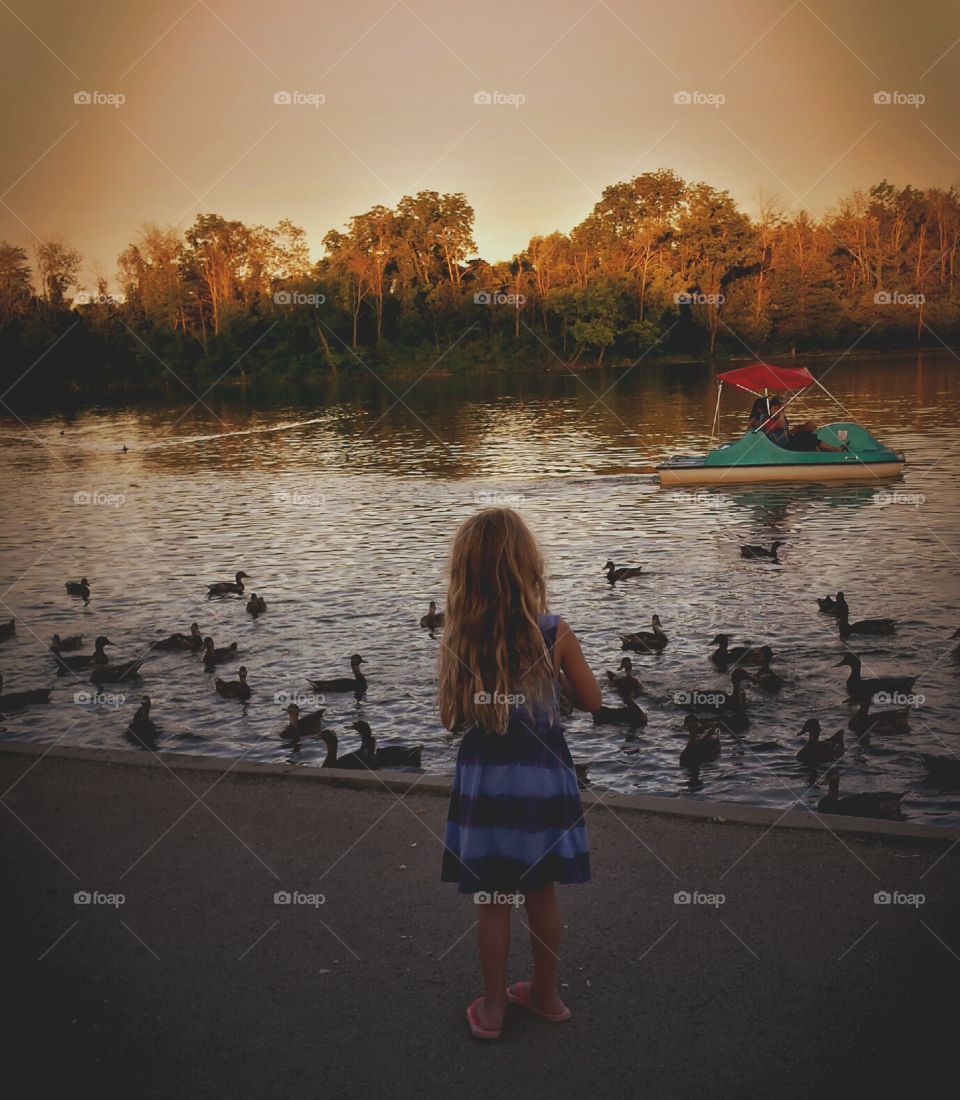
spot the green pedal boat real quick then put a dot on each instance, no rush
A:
(754, 457)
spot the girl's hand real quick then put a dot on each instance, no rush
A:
(580, 684)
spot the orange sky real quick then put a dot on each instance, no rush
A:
(199, 129)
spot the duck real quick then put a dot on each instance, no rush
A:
(433, 617)
(213, 656)
(864, 723)
(624, 680)
(141, 729)
(864, 626)
(225, 588)
(234, 689)
(60, 645)
(629, 715)
(860, 688)
(357, 683)
(761, 552)
(17, 700)
(303, 725)
(942, 769)
(768, 680)
(703, 743)
(646, 640)
(104, 672)
(81, 661)
(733, 701)
(8, 629)
(78, 588)
(816, 751)
(192, 641)
(884, 804)
(739, 654)
(828, 605)
(623, 573)
(256, 605)
(390, 756)
(352, 760)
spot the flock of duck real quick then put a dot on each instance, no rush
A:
(711, 713)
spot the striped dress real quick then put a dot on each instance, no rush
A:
(515, 822)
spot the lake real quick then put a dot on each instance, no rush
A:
(341, 503)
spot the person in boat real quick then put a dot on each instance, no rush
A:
(759, 414)
(803, 437)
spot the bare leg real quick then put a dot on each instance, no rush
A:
(544, 915)
(493, 943)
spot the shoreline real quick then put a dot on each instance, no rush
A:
(396, 781)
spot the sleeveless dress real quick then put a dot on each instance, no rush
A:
(515, 822)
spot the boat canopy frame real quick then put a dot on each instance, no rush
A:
(759, 378)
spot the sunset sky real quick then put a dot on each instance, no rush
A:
(199, 129)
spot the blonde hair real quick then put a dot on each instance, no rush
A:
(493, 654)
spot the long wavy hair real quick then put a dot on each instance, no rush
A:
(493, 654)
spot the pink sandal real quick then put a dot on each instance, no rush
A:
(519, 994)
(477, 1030)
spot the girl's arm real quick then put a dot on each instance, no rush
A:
(579, 682)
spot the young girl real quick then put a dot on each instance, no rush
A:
(515, 825)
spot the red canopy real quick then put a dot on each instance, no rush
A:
(761, 376)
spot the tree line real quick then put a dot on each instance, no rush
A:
(658, 268)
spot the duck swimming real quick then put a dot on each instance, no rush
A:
(256, 605)
(816, 751)
(104, 672)
(882, 804)
(213, 656)
(703, 743)
(729, 702)
(650, 641)
(433, 617)
(767, 679)
(83, 660)
(302, 725)
(860, 688)
(60, 645)
(234, 689)
(357, 684)
(739, 654)
(17, 700)
(225, 588)
(863, 626)
(629, 715)
(390, 756)
(353, 760)
(828, 605)
(863, 723)
(78, 588)
(141, 730)
(942, 769)
(624, 680)
(192, 641)
(8, 629)
(762, 552)
(623, 573)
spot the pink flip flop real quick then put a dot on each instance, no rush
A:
(519, 994)
(477, 1030)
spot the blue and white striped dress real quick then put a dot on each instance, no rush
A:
(515, 822)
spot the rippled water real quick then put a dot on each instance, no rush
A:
(342, 508)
